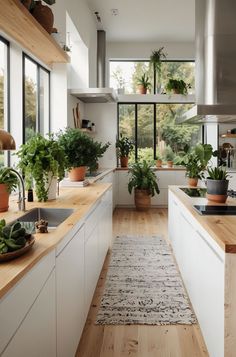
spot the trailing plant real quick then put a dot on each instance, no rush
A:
(156, 58)
(144, 81)
(217, 173)
(168, 154)
(8, 178)
(41, 159)
(80, 149)
(143, 178)
(124, 146)
(178, 86)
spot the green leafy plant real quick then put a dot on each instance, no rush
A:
(41, 159)
(12, 236)
(168, 154)
(143, 178)
(177, 86)
(217, 173)
(80, 149)
(156, 57)
(8, 178)
(124, 146)
(144, 81)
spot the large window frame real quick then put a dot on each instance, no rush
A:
(38, 119)
(135, 104)
(7, 122)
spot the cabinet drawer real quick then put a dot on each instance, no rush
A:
(91, 221)
(15, 305)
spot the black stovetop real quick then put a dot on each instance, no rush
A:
(215, 210)
(201, 192)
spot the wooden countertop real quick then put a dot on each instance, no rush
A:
(221, 228)
(80, 199)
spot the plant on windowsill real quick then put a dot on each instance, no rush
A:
(42, 161)
(81, 152)
(8, 183)
(143, 84)
(217, 184)
(177, 86)
(124, 147)
(158, 160)
(169, 156)
(144, 182)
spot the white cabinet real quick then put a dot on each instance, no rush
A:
(70, 295)
(201, 263)
(124, 198)
(232, 180)
(16, 309)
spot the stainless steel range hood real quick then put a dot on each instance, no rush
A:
(215, 63)
(100, 94)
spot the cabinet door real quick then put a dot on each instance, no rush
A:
(36, 336)
(232, 181)
(70, 295)
(124, 198)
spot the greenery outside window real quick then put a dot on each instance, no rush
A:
(4, 92)
(36, 99)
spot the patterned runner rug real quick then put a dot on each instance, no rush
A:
(143, 285)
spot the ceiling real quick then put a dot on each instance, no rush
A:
(146, 20)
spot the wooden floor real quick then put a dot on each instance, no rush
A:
(138, 340)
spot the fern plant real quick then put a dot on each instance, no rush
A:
(143, 178)
(217, 173)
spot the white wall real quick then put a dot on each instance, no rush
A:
(105, 118)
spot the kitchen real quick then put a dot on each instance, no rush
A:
(79, 66)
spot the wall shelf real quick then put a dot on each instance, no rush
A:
(228, 135)
(156, 98)
(18, 23)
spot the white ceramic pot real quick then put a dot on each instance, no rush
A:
(52, 187)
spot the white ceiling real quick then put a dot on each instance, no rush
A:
(146, 20)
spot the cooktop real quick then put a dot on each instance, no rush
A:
(201, 192)
(215, 210)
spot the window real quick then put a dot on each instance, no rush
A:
(124, 75)
(4, 91)
(152, 127)
(36, 99)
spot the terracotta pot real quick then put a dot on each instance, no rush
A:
(142, 200)
(176, 91)
(169, 163)
(44, 15)
(27, 3)
(77, 173)
(4, 198)
(159, 163)
(142, 89)
(192, 181)
(216, 198)
(124, 161)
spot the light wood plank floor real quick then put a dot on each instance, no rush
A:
(138, 340)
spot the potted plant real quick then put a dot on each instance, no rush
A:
(98, 151)
(143, 84)
(42, 161)
(158, 160)
(43, 14)
(169, 155)
(217, 184)
(8, 183)
(144, 182)
(156, 61)
(177, 86)
(124, 147)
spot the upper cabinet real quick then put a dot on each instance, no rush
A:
(17, 22)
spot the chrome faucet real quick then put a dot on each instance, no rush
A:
(22, 198)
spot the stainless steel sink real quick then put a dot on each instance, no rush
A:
(54, 216)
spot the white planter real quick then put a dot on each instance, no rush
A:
(52, 190)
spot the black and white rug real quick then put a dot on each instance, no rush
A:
(143, 285)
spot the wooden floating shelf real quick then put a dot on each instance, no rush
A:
(84, 130)
(18, 23)
(228, 135)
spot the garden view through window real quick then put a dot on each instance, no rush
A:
(153, 128)
(3, 90)
(124, 75)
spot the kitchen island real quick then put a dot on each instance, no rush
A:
(205, 250)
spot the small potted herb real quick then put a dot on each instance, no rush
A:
(143, 84)
(217, 184)
(124, 147)
(42, 160)
(159, 160)
(177, 86)
(8, 183)
(144, 182)
(169, 155)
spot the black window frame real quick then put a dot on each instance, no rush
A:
(154, 122)
(39, 66)
(8, 108)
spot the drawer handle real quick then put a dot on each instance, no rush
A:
(185, 218)
(208, 244)
(175, 203)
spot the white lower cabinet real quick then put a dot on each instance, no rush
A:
(70, 295)
(232, 180)
(36, 335)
